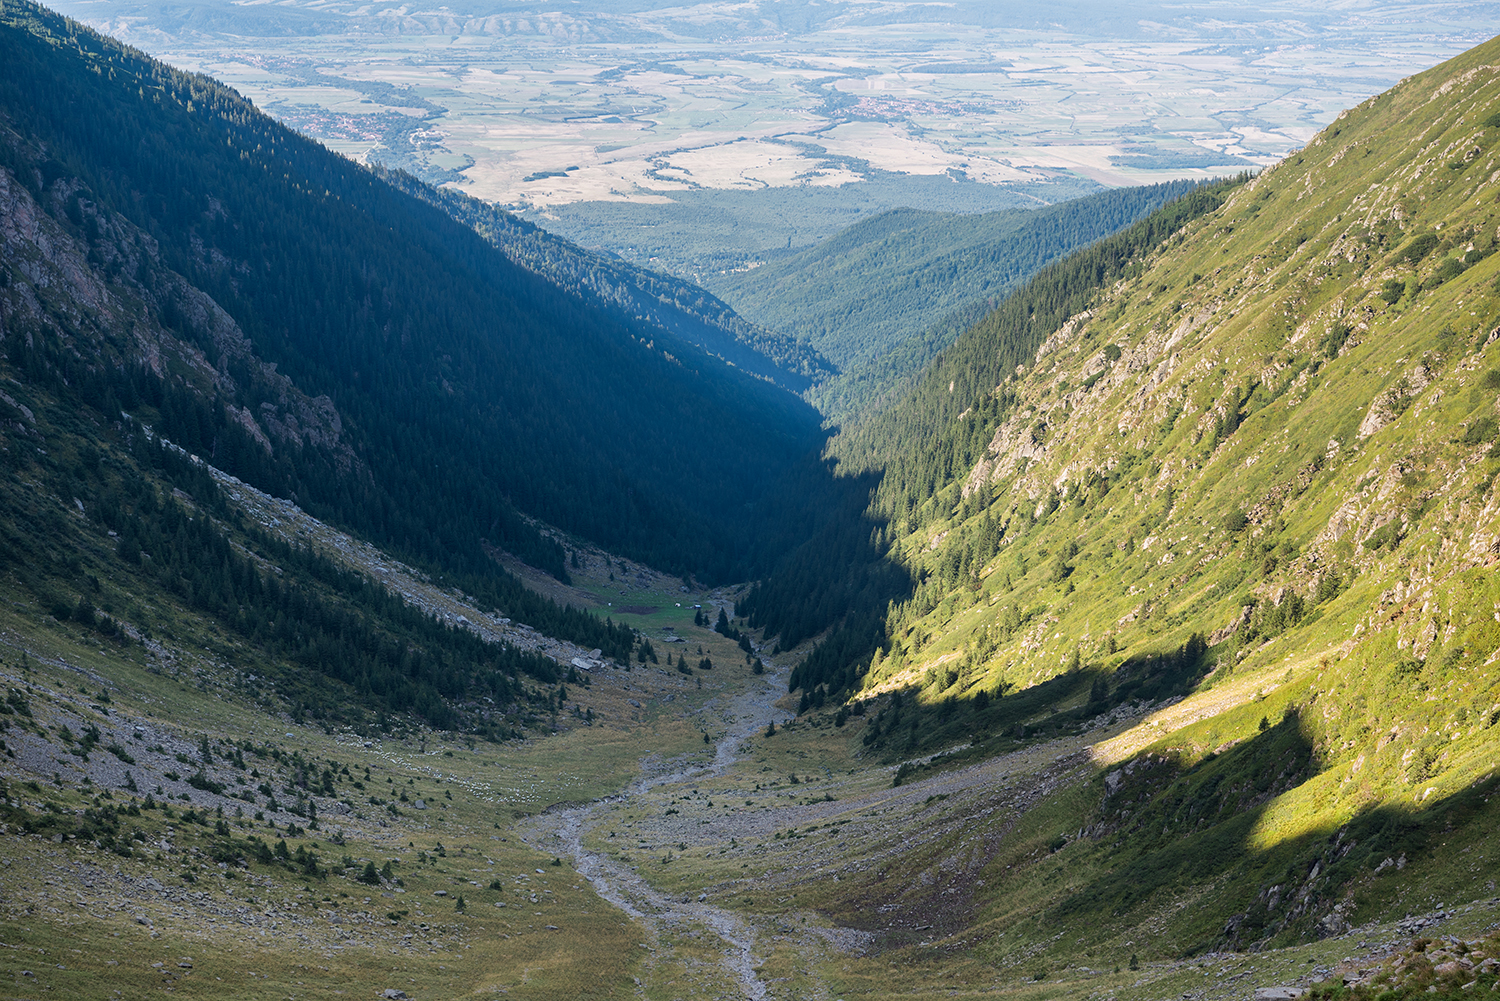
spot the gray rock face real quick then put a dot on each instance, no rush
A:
(1278, 993)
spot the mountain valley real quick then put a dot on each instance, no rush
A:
(1133, 635)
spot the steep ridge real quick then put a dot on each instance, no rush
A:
(889, 282)
(433, 349)
(1256, 463)
(677, 307)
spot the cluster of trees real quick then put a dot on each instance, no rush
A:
(200, 426)
(352, 647)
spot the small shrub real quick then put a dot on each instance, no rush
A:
(1385, 536)
(1333, 341)
(1482, 430)
(1448, 270)
(1417, 249)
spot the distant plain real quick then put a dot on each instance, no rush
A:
(559, 111)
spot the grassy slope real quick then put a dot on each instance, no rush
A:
(99, 886)
(1370, 716)
(1263, 808)
(91, 914)
(1328, 771)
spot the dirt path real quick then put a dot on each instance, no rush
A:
(662, 915)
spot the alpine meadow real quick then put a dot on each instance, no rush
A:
(1079, 592)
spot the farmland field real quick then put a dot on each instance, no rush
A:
(569, 114)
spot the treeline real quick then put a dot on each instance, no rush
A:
(471, 390)
(921, 444)
(291, 604)
(357, 649)
(841, 573)
(200, 426)
(869, 386)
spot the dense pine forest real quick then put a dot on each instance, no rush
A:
(469, 392)
(682, 309)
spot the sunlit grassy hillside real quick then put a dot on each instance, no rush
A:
(1260, 464)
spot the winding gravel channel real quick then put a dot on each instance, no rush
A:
(561, 831)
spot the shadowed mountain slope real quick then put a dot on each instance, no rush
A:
(679, 308)
(468, 392)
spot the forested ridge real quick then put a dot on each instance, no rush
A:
(873, 298)
(920, 443)
(681, 309)
(471, 391)
(113, 529)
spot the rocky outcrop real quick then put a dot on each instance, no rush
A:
(69, 259)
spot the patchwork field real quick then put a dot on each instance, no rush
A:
(537, 109)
